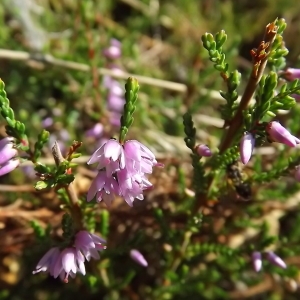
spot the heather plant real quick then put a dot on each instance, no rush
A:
(141, 193)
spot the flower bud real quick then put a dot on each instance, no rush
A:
(280, 134)
(246, 147)
(292, 74)
(203, 150)
(138, 257)
(276, 260)
(256, 261)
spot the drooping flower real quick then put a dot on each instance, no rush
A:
(132, 185)
(104, 187)
(63, 263)
(280, 134)
(110, 156)
(256, 261)
(89, 244)
(48, 261)
(246, 147)
(138, 257)
(122, 171)
(203, 150)
(275, 260)
(70, 260)
(141, 158)
(68, 263)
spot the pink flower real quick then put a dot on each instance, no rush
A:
(104, 187)
(71, 260)
(48, 261)
(89, 244)
(68, 263)
(7, 153)
(122, 171)
(110, 156)
(7, 150)
(292, 74)
(279, 134)
(246, 147)
(62, 263)
(203, 150)
(138, 257)
(96, 131)
(9, 166)
(256, 261)
(132, 185)
(140, 158)
(114, 50)
(115, 103)
(114, 118)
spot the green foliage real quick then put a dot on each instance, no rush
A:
(14, 128)
(131, 96)
(202, 253)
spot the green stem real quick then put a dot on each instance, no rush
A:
(74, 203)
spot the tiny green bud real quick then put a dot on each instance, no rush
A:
(220, 38)
(40, 185)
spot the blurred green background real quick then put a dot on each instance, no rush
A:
(160, 40)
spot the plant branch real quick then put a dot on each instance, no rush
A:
(75, 209)
(260, 57)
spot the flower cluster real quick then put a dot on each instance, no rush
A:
(122, 171)
(69, 261)
(276, 133)
(271, 257)
(8, 162)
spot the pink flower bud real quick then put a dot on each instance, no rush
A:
(203, 150)
(256, 261)
(138, 257)
(276, 260)
(246, 147)
(292, 74)
(280, 134)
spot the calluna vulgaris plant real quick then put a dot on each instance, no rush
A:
(123, 167)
